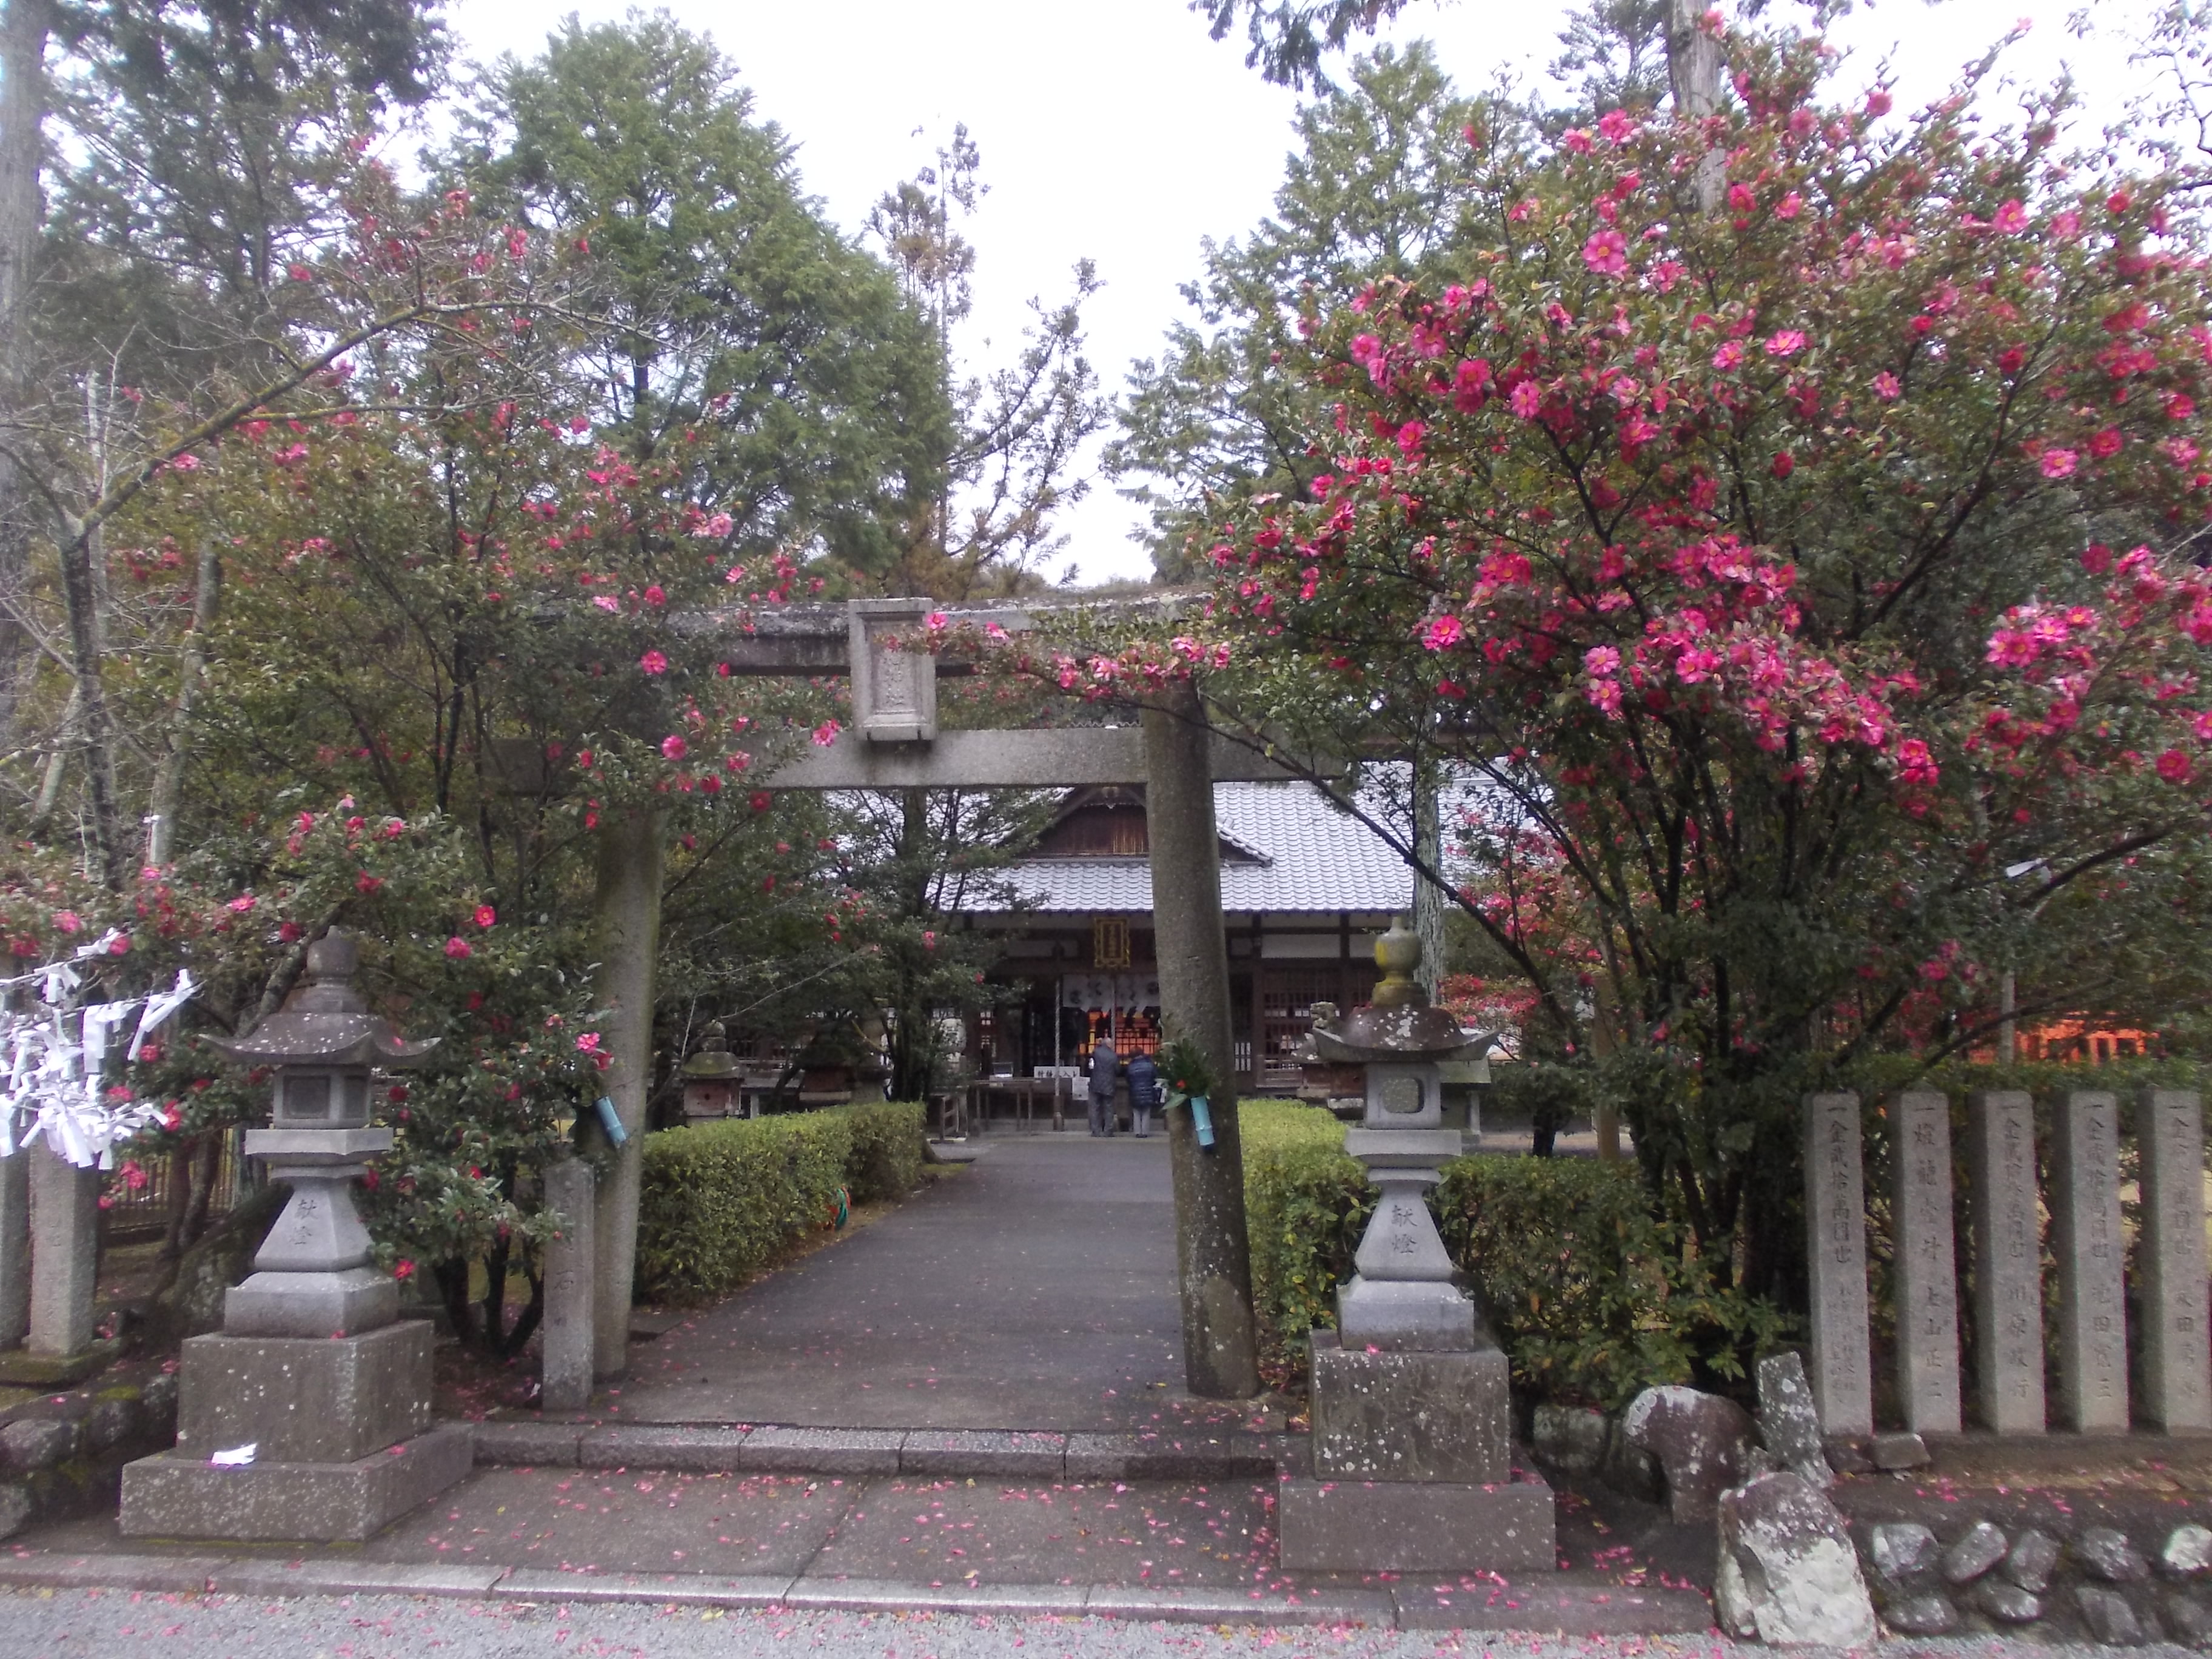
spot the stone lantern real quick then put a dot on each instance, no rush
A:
(309, 1416)
(711, 1076)
(1412, 1466)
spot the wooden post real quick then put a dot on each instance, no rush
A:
(1212, 1253)
(626, 918)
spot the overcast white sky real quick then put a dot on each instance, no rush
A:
(1115, 130)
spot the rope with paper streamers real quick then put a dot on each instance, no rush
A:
(55, 1056)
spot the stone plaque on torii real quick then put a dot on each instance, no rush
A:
(893, 743)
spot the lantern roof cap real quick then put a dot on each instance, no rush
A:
(714, 1059)
(1401, 1024)
(324, 1021)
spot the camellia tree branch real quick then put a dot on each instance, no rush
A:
(1792, 570)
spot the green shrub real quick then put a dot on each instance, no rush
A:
(885, 1164)
(1586, 1288)
(724, 1200)
(1590, 1291)
(1305, 1205)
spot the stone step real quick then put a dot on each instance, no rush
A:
(1568, 1606)
(779, 1449)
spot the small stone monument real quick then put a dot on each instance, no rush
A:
(309, 1418)
(710, 1077)
(1412, 1464)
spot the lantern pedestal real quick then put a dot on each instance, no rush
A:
(317, 1394)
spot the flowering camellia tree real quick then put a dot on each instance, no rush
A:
(1814, 575)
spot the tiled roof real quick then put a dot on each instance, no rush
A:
(1317, 858)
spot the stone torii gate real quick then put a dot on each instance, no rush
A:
(893, 743)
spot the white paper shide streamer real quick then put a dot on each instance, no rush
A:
(55, 1057)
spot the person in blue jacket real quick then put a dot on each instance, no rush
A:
(1144, 1092)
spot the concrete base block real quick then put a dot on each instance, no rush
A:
(1416, 1526)
(1410, 1415)
(305, 1401)
(311, 1304)
(1414, 1314)
(171, 1496)
(24, 1368)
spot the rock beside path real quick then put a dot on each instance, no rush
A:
(1787, 1573)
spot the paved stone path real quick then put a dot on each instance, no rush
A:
(1035, 1289)
(246, 1626)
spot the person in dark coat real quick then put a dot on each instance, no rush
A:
(1144, 1092)
(1105, 1067)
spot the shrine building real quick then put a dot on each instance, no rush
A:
(1305, 889)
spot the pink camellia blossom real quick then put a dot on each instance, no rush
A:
(2059, 463)
(673, 747)
(712, 528)
(1740, 199)
(2096, 558)
(1785, 342)
(1730, 354)
(607, 602)
(2180, 406)
(937, 622)
(588, 1043)
(1783, 464)
(1606, 253)
(1442, 634)
(2173, 766)
(457, 949)
(1790, 206)
(826, 733)
(191, 463)
(2011, 218)
(2103, 446)
(1602, 660)
(1527, 398)
(68, 921)
(1617, 125)
(1575, 140)
(403, 1268)
(243, 903)
(485, 915)
(929, 938)
(1915, 764)
(655, 596)
(653, 663)
(120, 946)
(1887, 387)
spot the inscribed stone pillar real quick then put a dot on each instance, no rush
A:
(2093, 1325)
(15, 1249)
(1835, 1208)
(570, 1323)
(64, 1251)
(2170, 1135)
(2008, 1261)
(1927, 1263)
(1212, 1253)
(626, 922)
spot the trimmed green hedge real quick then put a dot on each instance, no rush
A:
(1585, 1287)
(723, 1201)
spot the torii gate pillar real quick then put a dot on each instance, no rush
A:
(1213, 1266)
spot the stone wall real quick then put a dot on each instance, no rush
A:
(61, 1455)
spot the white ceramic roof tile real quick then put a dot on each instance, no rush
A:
(1318, 859)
